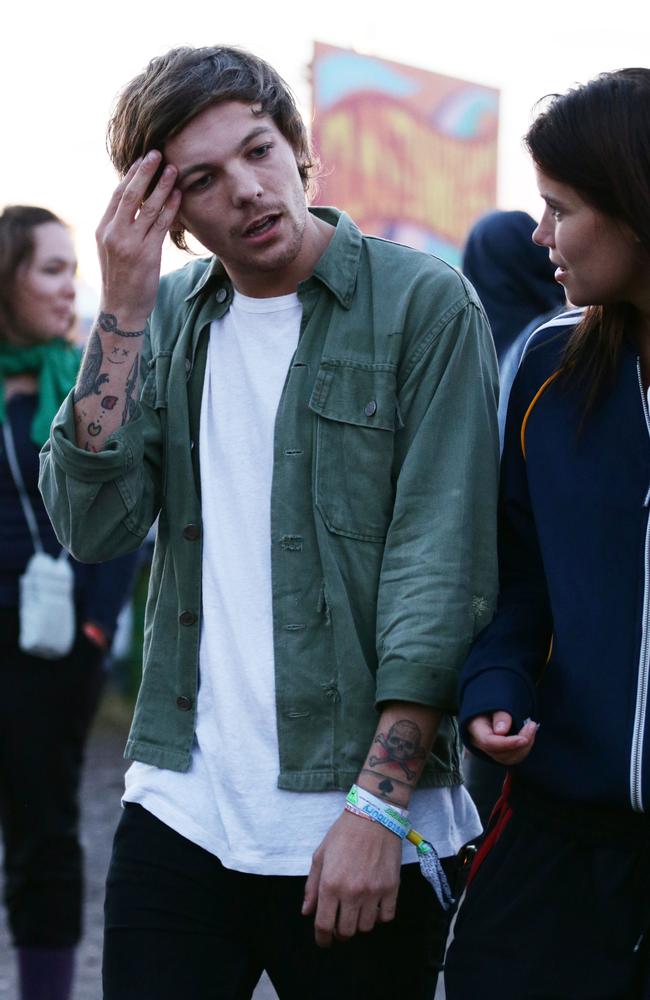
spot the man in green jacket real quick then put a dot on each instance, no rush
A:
(316, 434)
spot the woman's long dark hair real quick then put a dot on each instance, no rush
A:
(17, 224)
(596, 139)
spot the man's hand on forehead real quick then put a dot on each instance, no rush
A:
(130, 238)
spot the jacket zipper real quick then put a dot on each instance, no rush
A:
(636, 791)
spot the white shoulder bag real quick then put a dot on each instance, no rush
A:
(46, 588)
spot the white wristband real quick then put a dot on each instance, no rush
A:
(363, 803)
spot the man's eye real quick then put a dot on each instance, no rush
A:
(260, 151)
(200, 183)
(557, 215)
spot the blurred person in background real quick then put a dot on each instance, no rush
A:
(513, 276)
(515, 282)
(556, 687)
(47, 705)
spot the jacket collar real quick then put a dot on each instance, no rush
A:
(337, 269)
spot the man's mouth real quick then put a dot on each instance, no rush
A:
(261, 226)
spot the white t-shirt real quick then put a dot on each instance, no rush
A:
(228, 801)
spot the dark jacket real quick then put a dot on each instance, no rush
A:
(100, 589)
(574, 553)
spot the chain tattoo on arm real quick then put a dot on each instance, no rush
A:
(108, 323)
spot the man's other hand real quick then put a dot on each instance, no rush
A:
(354, 879)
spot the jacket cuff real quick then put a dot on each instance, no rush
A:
(496, 690)
(123, 449)
(422, 683)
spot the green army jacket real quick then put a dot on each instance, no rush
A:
(382, 512)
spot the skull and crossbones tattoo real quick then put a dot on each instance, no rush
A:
(401, 746)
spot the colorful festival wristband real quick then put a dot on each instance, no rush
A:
(363, 803)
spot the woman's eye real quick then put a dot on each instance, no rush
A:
(260, 151)
(555, 212)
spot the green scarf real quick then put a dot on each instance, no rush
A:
(55, 364)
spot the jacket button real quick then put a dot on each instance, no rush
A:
(222, 295)
(187, 618)
(370, 408)
(191, 532)
(184, 703)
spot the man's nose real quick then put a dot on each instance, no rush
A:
(245, 186)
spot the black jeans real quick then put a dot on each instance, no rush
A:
(559, 908)
(179, 924)
(46, 709)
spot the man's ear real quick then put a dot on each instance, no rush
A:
(177, 228)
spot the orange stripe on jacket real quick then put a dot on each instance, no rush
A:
(531, 407)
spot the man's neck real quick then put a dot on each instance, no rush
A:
(317, 237)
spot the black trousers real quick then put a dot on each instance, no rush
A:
(484, 781)
(46, 709)
(179, 924)
(558, 908)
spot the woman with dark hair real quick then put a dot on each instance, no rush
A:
(47, 704)
(556, 687)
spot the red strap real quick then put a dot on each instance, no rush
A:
(499, 818)
(95, 634)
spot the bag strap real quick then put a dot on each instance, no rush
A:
(28, 510)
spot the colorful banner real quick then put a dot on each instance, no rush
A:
(410, 155)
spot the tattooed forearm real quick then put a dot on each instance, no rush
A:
(131, 383)
(385, 786)
(90, 378)
(108, 323)
(107, 387)
(118, 356)
(398, 752)
(400, 749)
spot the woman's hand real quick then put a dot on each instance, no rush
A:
(489, 734)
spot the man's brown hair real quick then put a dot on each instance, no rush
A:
(176, 87)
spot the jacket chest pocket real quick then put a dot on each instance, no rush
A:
(356, 410)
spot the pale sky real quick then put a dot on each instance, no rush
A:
(64, 62)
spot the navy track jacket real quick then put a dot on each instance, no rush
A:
(569, 645)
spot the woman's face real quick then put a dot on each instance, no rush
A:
(597, 259)
(44, 289)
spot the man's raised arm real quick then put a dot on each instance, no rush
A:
(129, 240)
